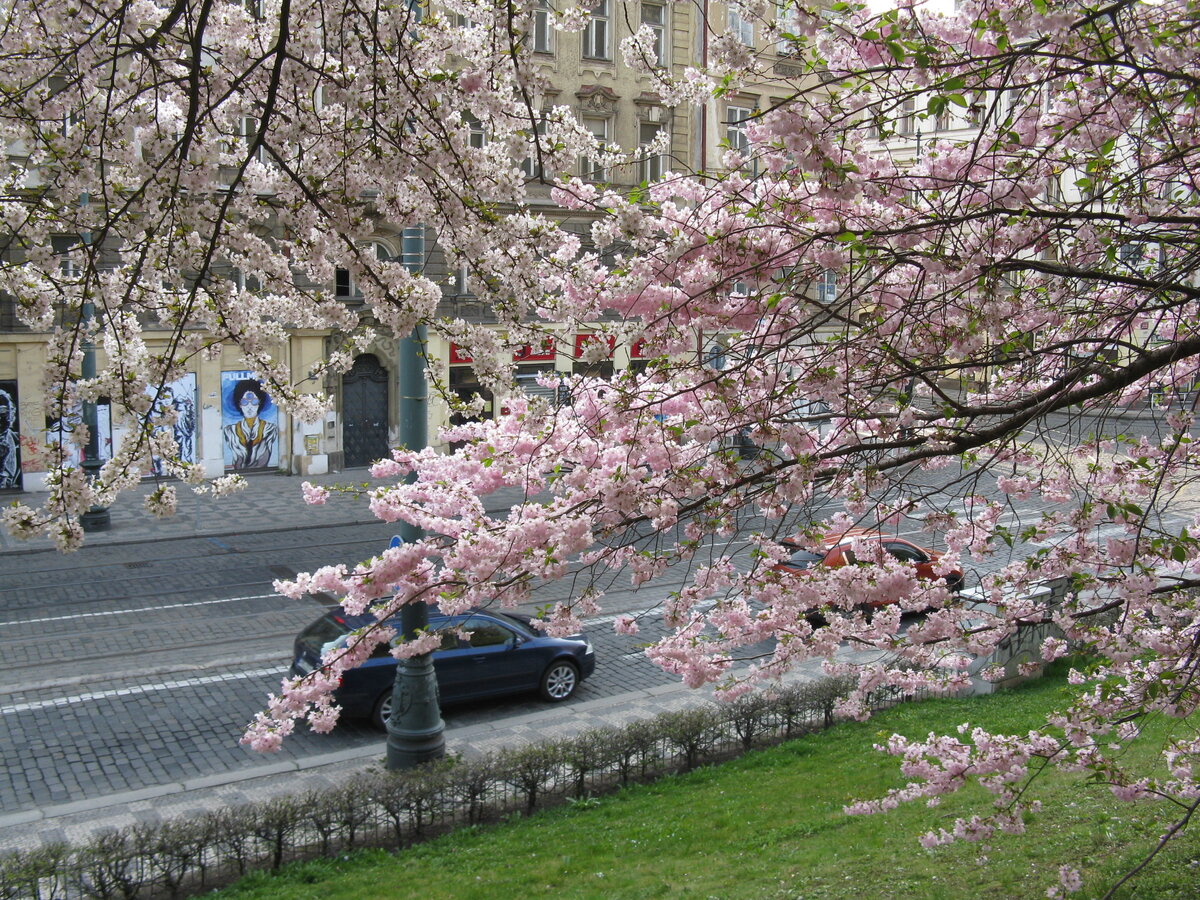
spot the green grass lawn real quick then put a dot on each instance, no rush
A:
(770, 825)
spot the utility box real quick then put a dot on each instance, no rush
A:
(1019, 655)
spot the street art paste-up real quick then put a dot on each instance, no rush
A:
(250, 423)
(10, 443)
(61, 431)
(179, 396)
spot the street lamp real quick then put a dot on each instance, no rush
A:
(415, 729)
(96, 518)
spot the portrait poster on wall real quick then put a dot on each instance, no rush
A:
(10, 438)
(62, 431)
(250, 423)
(179, 396)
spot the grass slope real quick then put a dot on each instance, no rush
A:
(770, 825)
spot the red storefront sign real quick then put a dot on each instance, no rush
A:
(545, 353)
(459, 355)
(638, 350)
(582, 340)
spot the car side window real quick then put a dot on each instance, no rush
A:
(484, 633)
(450, 640)
(905, 553)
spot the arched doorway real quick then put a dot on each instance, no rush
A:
(365, 412)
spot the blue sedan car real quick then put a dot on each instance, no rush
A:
(483, 654)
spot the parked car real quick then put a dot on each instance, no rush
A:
(838, 550)
(501, 653)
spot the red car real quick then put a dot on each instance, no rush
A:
(838, 551)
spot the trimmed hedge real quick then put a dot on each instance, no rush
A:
(396, 809)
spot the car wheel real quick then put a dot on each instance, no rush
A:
(954, 583)
(383, 709)
(559, 680)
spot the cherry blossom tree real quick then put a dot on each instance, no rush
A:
(957, 250)
(1005, 285)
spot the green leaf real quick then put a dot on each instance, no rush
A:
(845, 237)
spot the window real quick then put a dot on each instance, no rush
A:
(787, 19)
(66, 247)
(1014, 103)
(543, 33)
(70, 122)
(344, 283)
(1053, 189)
(599, 129)
(456, 284)
(651, 163)
(827, 287)
(735, 127)
(975, 111)
(654, 15)
(595, 35)
(244, 282)
(477, 138)
(906, 121)
(905, 553)
(248, 128)
(741, 27)
(530, 164)
(943, 121)
(482, 633)
(1131, 254)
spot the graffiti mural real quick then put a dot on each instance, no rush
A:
(61, 431)
(250, 423)
(177, 398)
(10, 438)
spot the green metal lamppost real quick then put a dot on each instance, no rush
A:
(96, 518)
(415, 729)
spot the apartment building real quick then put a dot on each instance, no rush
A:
(584, 72)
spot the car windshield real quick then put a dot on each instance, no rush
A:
(803, 559)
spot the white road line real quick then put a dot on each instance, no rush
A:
(126, 612)
(140, 689)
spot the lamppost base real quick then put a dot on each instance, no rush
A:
(408, 750)
(95, 519)
(415, 731)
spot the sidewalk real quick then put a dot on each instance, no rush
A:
(269, 502)
(77, 822)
